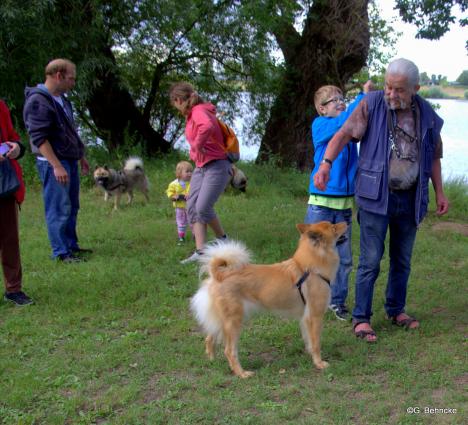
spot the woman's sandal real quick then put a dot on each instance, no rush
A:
(366, 334)
(405, 323)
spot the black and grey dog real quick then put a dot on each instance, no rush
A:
(238, 179)
(115, 183)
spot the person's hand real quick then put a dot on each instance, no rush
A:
(14, 151)
(442, 204)
(84, 166)
(368, 86)
(322, 176)
(61, 174)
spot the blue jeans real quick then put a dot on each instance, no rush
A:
(339, 288)
(61, 204)
(400, 219)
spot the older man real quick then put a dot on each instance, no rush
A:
(48, 117)
(400, 150)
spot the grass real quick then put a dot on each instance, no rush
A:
(112, 341)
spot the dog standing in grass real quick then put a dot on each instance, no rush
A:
(298, 287)
(115, 183)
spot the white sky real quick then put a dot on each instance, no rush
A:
(446, 56)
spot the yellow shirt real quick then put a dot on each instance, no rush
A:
(333, 203)
(175, 189)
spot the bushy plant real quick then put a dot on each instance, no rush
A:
(434, 93)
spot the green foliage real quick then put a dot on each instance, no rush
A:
(434, 93)
(424, 78)
(466, 94)
(432, 17)
(219, 46)
(112, 340)
(463, 78)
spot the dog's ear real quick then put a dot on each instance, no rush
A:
(106, 167)
(96, 167)
(301, 227)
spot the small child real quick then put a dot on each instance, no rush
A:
(335, 203)
(178, 191)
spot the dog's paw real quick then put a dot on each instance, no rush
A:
(322, 364)
(246, 374)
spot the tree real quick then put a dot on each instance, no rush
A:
(463, 78)
(424, 78)
(128, 52)
(333, 45)
(433, 18)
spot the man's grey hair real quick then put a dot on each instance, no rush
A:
(404, 67)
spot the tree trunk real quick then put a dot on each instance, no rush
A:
(115, 114)
(334, 45)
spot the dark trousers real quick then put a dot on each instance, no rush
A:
(9, 244)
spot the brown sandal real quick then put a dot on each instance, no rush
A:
(364, 334)
(405, 323)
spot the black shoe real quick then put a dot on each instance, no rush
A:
(70, 258)
(19, 298)
(341, 312)
(82, 251)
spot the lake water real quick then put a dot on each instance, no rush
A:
(454, 137)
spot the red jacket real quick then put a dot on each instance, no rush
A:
(8, 134)
(204, 135)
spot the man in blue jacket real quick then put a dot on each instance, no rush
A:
(48, 116)
(400, 150)
(335, 203)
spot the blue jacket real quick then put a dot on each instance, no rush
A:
(45, 119)
(344, 167)
(374, 157)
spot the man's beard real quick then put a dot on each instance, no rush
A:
(398, 104)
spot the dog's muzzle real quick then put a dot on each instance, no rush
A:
(101, 181)
(342, 239)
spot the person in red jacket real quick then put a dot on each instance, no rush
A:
(9, 234)
(212, 171)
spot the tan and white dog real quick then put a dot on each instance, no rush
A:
(298, 287)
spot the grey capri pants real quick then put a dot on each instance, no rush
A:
(206, 186)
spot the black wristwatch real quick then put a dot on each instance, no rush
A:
(326, 161)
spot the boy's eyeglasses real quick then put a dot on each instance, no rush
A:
(336, 99)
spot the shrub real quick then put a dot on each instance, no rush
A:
(434, 93)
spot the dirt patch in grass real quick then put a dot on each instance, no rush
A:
(461, 382)
(152, 391)
(459, 228)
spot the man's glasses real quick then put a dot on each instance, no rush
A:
(336, 99)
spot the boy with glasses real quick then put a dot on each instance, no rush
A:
(335, 203)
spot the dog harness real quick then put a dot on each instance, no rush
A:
(303, 278)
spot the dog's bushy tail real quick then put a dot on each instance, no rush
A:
(203, 309)
(133, 163)
(220, 258)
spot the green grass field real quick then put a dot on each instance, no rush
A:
(112, 341)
